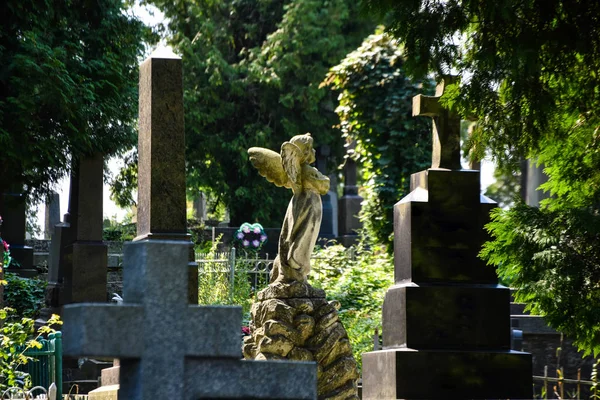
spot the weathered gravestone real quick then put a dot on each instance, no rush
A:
(52, 214)
(446, 321)
(61, 238)
(169, 349)
(77, 267)
(349, 204)
(86, 259)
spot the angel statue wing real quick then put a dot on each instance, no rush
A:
(291, 157)
(268, 163)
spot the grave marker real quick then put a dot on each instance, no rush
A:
(170, 349)
(350, 204)
(446, 321)
(446, 127)
(86, 259)
(161, 208)
(52, 214)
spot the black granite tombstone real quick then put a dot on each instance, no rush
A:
(446, 320)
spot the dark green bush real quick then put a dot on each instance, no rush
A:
(24, 295)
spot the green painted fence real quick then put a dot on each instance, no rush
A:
(47, 364)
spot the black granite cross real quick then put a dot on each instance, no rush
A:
(446, 127)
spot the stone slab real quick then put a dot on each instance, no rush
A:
(113, 330)
(532, 324)
(89, 220)
(465, 317)
(349, 207)
(411, 374)
(101, 330)
(229, 379)
(110, 392)
(86, 281)
(110, 376)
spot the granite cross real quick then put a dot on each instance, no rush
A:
(169, 349)
(446, 127)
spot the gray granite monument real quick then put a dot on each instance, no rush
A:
(446, 320)
(349, 204)
(161, 207)
(52, 214)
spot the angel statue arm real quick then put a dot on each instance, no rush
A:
(291, 169)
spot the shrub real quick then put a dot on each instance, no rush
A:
(24, 295)
(18, 335)
(358, 278)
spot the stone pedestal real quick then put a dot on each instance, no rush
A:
(446, 320)
(294, 321)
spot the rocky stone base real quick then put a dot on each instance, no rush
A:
(294, 321)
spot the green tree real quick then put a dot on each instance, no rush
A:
(375, 110)
(530, 78)
(68, 84)
(252, 74)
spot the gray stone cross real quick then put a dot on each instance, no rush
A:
(446, 127)
(169, 349)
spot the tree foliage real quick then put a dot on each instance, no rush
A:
(524, 63)
(68, 86)
(553, 259)
(375, 110)
(252, 70)
(530, 78)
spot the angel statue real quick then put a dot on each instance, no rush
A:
(291, 169)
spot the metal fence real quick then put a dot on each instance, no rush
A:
(256, 269)
(556, 388)
(44, 369)
(223, 267)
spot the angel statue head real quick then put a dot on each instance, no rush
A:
(305, 144)
(291, 169)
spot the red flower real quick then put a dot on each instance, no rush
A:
(245, 330)
(6, 246)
